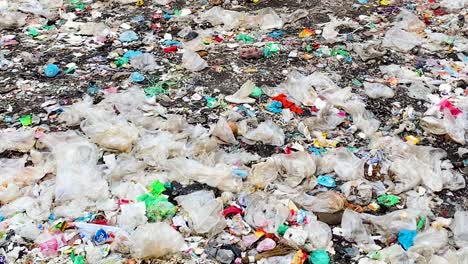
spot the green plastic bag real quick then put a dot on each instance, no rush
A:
(319, 256)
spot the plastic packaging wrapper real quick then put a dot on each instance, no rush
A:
(77, 172)
(242, 95)
(294, 168)
(263, 173)
(192, 61)
(347, 166)
(377, 90)
(21, 140)
(354, 229)
(204, 210)
(155, 240)
(358, 192)
(268, 133)
(220, 176)
(264, 211)
(328, 118)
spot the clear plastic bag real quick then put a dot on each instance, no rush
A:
(204, 210)
(220, 176)
(395, 221)
(324, 202)
(459, 229)
(155, 148)
(265, 211)
(377, 90)
(347, 166)
(132, 215)
(319, 235)
(223, 132)
(268, 133)
(155, 240)
(192, 61)
(77, 173)
(354, 229)
(242, 95)
(263, 174)
(145, 62)
(21, 140)
(432, 238)
(299, 87)
(327, 119)
(294, 167)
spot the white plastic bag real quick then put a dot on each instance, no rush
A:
(223, 132)
(295, 167)
(132, 215)
(77, 173)
(459, 229)
(265, 211)
(242, 95)
(154, 240)
(192, 61)
(377, 90)
(268, 133)
(354, 229)
(21, 140)
(204, 210)
(219, 176)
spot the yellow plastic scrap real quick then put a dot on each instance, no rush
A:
(259, 233)
(140, 3)
(412, 139)
(384, 2)
(305, 33)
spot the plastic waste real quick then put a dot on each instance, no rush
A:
(354, 229)
(223, 132)
(377, 90)
(299, 87)
(146, 244)
(132, 215)
(459, 228)
(51, 70)
(128, 36)
(319, 256)
(21, 140)
(266, 244)
(324, 202)
(432, 238)
(406, 238)
(242, 95)
(137, 77)
(77, 171)
(319, 235)
(326, 180)
(295, 167)
(204, 210)
(219, 176)
(265, 212)
(145, 62)
(192, 61)
(347, 166)
(266, 132)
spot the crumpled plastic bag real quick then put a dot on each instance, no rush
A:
(357, 192)
(354, 229)
(242, 95)
(347, 166)
(223, 132)
(145, 62)
(265, 211)
(330, 33)
(377, 90)
(155, 148)
(204, 210)
(319, 235)
(328, 118)
(395, 221)
(132, 215)
(294, 167)
(459, 229)
(268, 133)
(109, 131)
(265, 18)
(324, 202)
(432, 238)
(263, 174)
(299, 87)
(77, 173)
(186, 170)
(404, 34)
(154, 240)
(21, 140)
(192, 61)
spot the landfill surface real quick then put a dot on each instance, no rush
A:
(211, 131)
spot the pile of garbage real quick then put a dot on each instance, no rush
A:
(227, 132)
